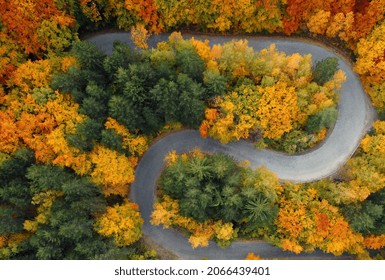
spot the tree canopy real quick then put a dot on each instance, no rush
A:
(212, 191)
(74, 123)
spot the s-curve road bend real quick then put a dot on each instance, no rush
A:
(354, 119)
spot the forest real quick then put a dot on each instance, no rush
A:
(75, 123)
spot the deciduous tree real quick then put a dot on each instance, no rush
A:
(115, 172)
(122, 222)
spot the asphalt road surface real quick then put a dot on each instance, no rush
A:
(355, 118)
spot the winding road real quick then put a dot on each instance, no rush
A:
(355, 118)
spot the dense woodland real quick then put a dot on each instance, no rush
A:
(274, 100)
(75, 122)
(214, 197)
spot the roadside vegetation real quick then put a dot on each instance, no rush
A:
(74, 123)
(213, 197)
(284, 102)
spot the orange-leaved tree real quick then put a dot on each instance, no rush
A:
(305, 222)
(37, 26)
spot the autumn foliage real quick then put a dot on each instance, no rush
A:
(212, 197)
(271, 97)
(305, 223)
(37, 26)
(113, 171)
(122, 222)
(32, 28)
(277, 110)
(251, 256)
(139, 36)
(167, 213)
(85, 119)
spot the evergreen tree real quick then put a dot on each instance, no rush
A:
(324, 70)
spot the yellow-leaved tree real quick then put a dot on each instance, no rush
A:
(139, 36)
(44, 200)
(241, 105)
(136, 144)
(121, 222)
(277, 110)
(114, 171)
(370, 50)
(167, 213)
(272, 98)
